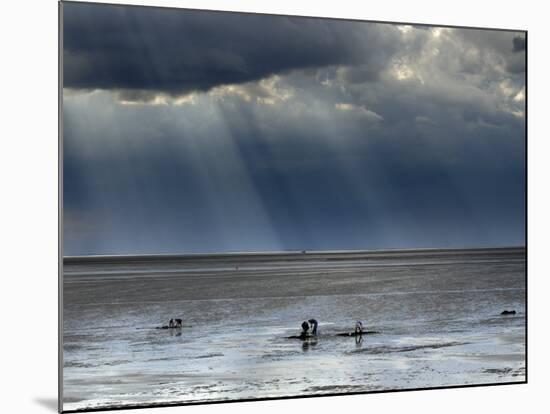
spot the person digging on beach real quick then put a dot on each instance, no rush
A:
(307, 325)
(305, 329)
(175, 323)
(313, 324)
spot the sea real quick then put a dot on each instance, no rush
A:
(436, 315)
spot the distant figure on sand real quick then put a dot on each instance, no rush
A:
(507, 312)
(307, 325)
(175, 323)
(358, 328)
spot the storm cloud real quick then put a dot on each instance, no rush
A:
(189, 131)
(146, 49)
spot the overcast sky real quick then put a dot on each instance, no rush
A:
(190, 132)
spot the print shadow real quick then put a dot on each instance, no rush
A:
(49, 403)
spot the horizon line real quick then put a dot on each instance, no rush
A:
(282, 252)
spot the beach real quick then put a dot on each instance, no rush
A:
(437, 314)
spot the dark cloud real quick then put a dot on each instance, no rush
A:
(170, 51)
(519, 44)
(495, 48)
(369, 135)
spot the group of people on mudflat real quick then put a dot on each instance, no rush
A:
(311, 325)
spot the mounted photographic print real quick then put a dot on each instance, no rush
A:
(265, 206)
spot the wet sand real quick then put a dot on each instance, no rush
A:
(438, 314)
